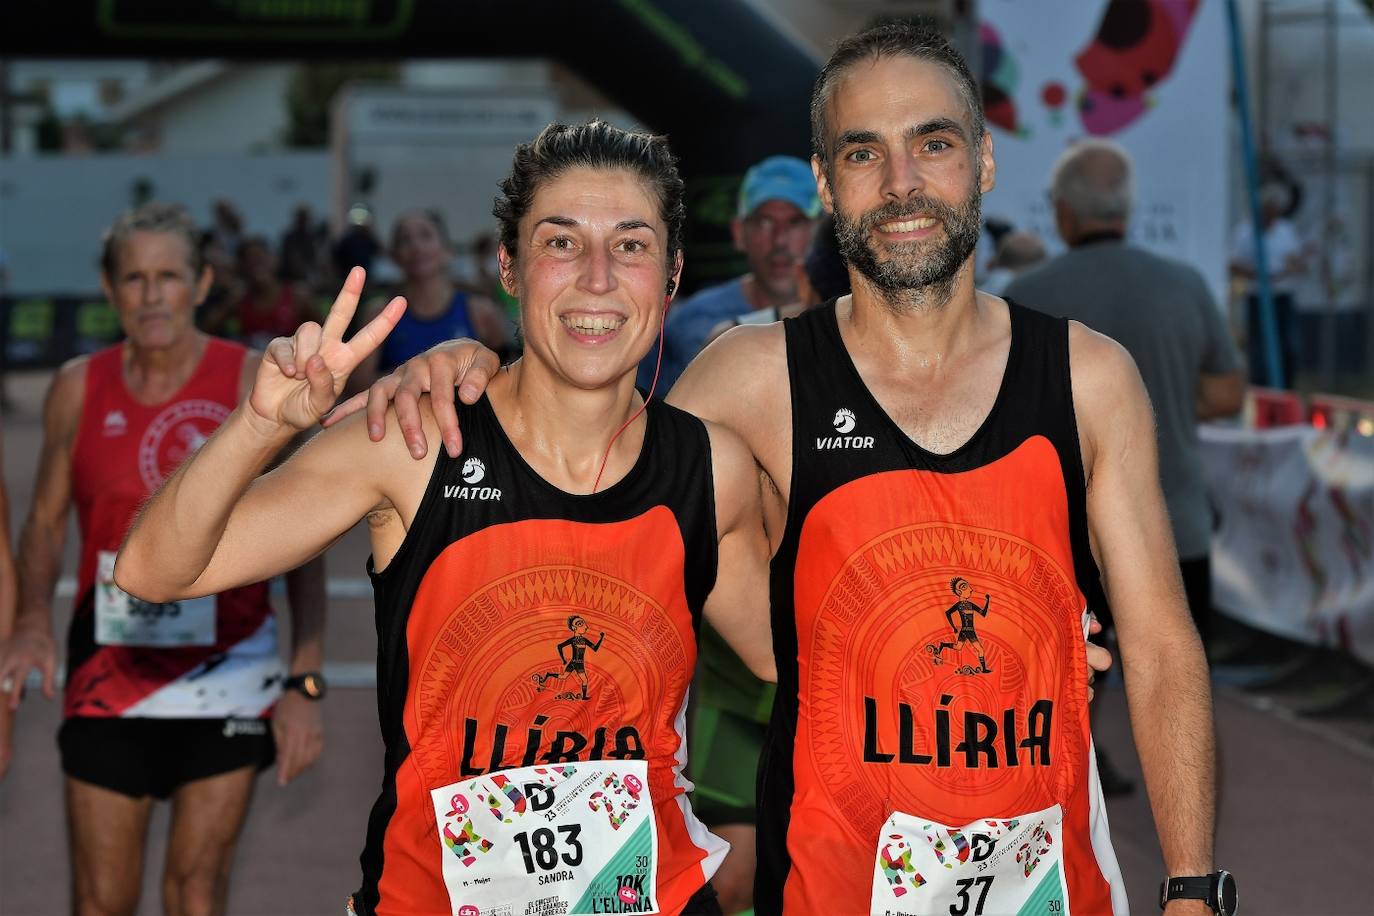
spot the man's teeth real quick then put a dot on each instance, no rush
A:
(593, 324)
(910, 225)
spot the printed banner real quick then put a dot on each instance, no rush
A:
(1149, 74)
(1293, 551)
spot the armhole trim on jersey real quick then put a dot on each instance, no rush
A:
(1087, 564)
(427, 501)
(792, 338)
(88, 384)
(714, 543)
(1072, 412)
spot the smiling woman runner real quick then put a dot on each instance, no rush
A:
(537, 634)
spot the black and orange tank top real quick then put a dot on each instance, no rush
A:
(929, 749)
(534, 653)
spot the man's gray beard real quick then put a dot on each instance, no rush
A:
(927, 283)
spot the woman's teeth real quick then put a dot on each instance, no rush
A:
(593, 324)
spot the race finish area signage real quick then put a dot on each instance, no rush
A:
(254, 19)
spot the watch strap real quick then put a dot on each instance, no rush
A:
(1188, 888)
(297, 682)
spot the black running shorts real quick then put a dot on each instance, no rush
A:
(141, 757)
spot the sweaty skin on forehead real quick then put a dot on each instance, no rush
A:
(883, 94)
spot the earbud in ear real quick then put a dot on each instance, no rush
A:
(672, 285)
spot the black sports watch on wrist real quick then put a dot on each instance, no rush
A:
(1218, 889)
(310, 684)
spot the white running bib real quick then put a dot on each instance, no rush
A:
(553, 839)
(122, 620)
(1011, 867)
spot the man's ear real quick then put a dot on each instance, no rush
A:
(505, 265)
(203, 283)
(822, 184)
(988, 163)
(1065, 222)
(737, 233)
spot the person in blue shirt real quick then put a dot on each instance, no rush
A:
(439, 308)
(776, 215)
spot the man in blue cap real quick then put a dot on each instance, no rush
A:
(777, 212)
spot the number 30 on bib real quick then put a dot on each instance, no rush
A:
(984, 868)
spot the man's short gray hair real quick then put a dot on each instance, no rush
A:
(151, 217)
(1093, 178)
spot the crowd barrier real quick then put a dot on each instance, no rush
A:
(1293, 542)
(44, 331)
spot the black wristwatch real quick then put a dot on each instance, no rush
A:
(1218, 889)
(310, 684)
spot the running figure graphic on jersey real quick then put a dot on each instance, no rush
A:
(576, 665)
(964, 632)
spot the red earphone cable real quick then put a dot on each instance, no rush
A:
(658, 365)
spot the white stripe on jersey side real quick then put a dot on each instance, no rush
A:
(1102, 837)
(1098, 828)
(244, 684)
(714, 847)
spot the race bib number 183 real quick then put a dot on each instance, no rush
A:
(550, 840)
(1011, 867)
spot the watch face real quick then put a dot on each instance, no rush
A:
(314, 686)
(1227, 898)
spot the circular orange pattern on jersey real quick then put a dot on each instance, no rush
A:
(492, 648)
(886, 605)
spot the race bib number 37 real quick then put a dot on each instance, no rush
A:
(1011, 867)
(550, 840)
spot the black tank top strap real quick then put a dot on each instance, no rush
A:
(1041, 402)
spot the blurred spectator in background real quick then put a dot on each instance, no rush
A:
(436, 308)
(181, 701)
(825, 268)
(268, 307)
(9, 596)
(774, 219)
(358, 245)
(1017, 252)
(1285, 257)
(486, 272)
(824, 277)
(303, 248)
(218, 314)
(227, 225)
(4, 331)
(1161, 311)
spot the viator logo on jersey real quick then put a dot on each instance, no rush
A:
(474, 472)
(844, 424)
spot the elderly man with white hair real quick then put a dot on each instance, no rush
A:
(1161, 311)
